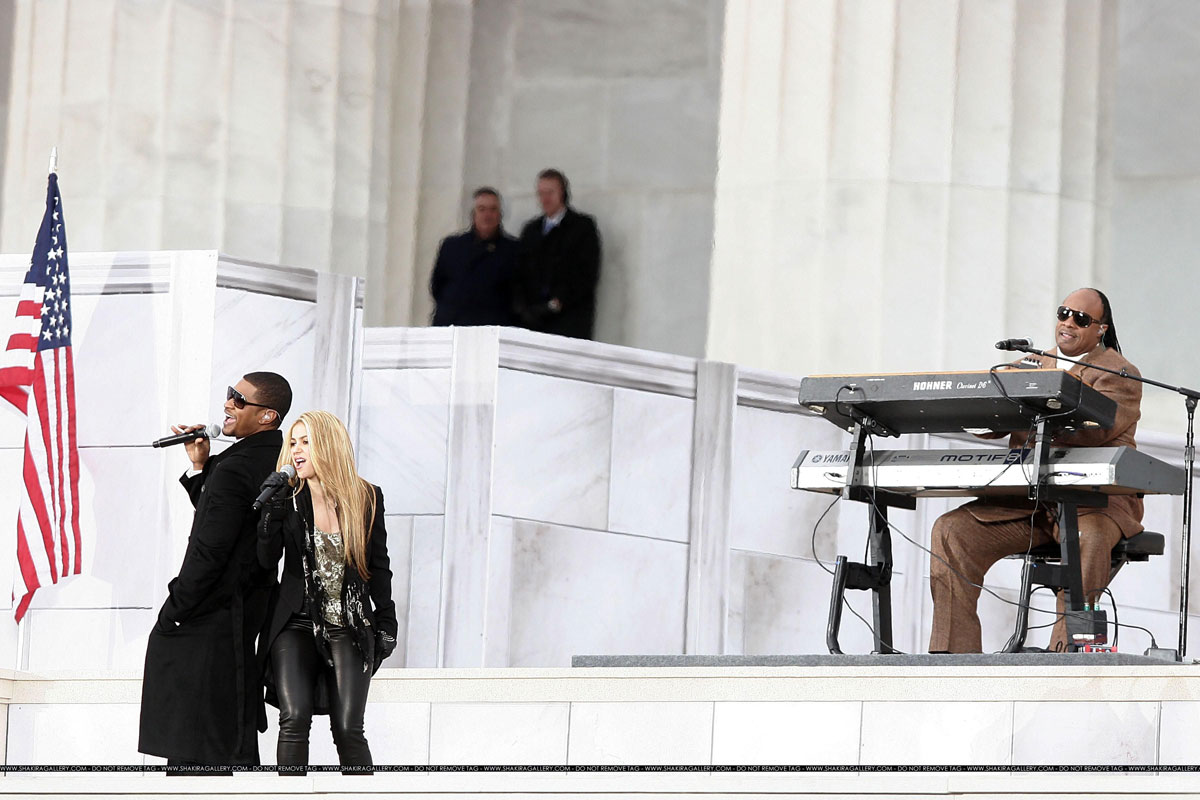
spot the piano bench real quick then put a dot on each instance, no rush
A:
(1138, 547)
(1042, 568)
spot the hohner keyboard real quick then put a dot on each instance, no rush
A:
(940, 402)
(989, 472)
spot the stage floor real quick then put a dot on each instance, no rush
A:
(891, 660)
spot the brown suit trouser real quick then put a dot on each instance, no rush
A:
(965, 547)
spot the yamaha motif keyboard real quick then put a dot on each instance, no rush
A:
(989, 472)
(1001, 401)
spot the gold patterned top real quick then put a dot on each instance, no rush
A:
(331, 570)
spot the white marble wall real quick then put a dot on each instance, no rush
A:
(157, 338)
(634, 502)
(585, 494)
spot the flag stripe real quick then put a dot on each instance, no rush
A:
(36, 507)
(22, 341)
(28, 574)
(66, 504)
(18, 397)
(68, 363)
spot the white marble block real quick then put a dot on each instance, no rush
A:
(641, 733)
(553, 441)
(499, 733)
(786, 732)
(577, 592)
(405, 454)
(941, 733)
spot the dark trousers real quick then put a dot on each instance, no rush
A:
(297, 665)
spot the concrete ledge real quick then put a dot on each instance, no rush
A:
(1067, 682)
(881, 661)
(608, 783)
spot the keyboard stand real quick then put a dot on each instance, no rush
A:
(876, 576)
(1083, 626)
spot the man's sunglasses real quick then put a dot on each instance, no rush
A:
(239, 399)
(1082, 318)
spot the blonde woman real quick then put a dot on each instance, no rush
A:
(332, 620)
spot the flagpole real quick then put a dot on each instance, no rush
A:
(54, 160)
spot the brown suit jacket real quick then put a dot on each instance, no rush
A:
(1125, 510)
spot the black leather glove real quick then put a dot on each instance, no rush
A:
(278, 504)
(385, 643)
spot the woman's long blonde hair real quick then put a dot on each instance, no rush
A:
(332, 459)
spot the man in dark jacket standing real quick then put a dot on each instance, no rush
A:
(201, 702)
(558, 265)
(472, 277)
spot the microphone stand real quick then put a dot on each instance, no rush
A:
(1190, 397)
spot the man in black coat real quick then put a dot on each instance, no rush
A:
(472, 277)
(201, 701)
(558, 265)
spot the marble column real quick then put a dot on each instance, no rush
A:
(430, 106)
(265, 129)
(900, 184)
(711, 508)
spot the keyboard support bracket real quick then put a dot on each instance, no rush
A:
(1079, 621)
(875, 576)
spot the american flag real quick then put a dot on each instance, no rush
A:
(37, 375)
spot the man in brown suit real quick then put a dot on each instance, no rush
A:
(968, 540)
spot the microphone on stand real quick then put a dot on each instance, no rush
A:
(208, 432)
(274, 482)
(1015, 344)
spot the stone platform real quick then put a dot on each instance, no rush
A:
(844, 716)
(882, 661)
(917, 729)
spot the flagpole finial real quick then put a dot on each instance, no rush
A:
(54, 160)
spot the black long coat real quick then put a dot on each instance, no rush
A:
(562, 264)
(472, 280)
(200, 696)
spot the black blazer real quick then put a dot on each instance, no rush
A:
(563, 264)
(282, 534)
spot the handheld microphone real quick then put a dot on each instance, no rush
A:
(274, 482)
(209, 432)
(1014, 344)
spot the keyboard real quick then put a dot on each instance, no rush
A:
(942, 402)
(987, 472)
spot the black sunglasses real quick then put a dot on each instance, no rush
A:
(239, 399)
(1082, 318)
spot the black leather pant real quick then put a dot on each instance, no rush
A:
(297, 665)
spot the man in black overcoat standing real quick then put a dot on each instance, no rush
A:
(558, 264)
(472, 277)
(201, 701)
